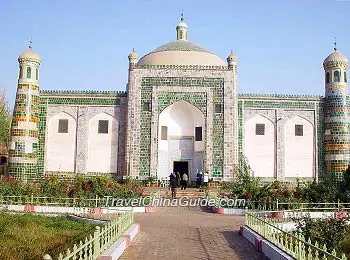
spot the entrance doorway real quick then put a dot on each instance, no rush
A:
(181, 167)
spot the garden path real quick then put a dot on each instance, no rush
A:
(189, 233)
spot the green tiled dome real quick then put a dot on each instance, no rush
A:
(181, 52)
(180, 46)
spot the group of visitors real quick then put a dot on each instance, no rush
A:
(202, 179)
(176, 180)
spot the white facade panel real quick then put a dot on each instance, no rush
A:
(259, 149)
(299, 150)
(102, 147)
(60, 146)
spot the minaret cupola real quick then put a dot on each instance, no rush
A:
(335, 66)
(133, 59)
(29, 62)
(231, 60)
(182, 29)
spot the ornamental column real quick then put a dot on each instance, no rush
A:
(337, 121)
(24, 147)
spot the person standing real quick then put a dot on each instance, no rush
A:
(184, 181)
(173, 185)
(206, 179)
(199, 178)
(178, 179)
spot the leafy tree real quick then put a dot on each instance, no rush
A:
(245, 185)
(5, 120)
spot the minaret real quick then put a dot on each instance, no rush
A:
(182, 30)
(133, 59)
(232, 61)
(337, 121)
(24, 128)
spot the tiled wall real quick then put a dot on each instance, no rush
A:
(24, 131)
(82, 105)
(279, 109)
(201, 88)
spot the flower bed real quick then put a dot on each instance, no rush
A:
(79, 187)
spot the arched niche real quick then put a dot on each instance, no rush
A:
(181, 135)
(60, 145)
(299, 148)
(102, 144)
(259, 145)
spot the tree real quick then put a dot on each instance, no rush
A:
(245, 185)
(5, 120)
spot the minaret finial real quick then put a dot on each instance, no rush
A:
(30, 43)
(133, 49)
(182, 29)
(335, 44)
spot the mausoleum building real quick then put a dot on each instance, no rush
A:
(181, 111)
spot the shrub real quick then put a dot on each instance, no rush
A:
(329, 231)
(75, 188)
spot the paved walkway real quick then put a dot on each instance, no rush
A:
(189, 233)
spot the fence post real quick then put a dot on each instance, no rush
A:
(96, 242)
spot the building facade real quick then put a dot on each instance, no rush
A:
(182, 112)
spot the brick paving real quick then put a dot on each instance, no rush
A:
(189, 233)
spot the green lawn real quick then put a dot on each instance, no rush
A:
(29, 237)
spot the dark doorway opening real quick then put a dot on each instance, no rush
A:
(181, 167)
(3, 160)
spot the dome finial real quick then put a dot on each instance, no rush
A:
(335, 44)
(182, 29)
(30, 44)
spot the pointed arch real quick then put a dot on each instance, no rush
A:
(61, 144)
(327, 77)
(299, 147)
(345, 77)
(181, 136)
(62, 114)
(29, 72)
(259, 139)
(336, 76)
(180, 97)
(102, 156)
(181, 118)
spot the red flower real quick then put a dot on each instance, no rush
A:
(249, 195)
(88, 187)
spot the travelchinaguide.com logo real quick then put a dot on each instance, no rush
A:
(184, 201)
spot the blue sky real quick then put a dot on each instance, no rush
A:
(84, 44)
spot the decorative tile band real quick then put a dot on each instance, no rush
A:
(24, 134)
(336, 138)
(182, 67)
